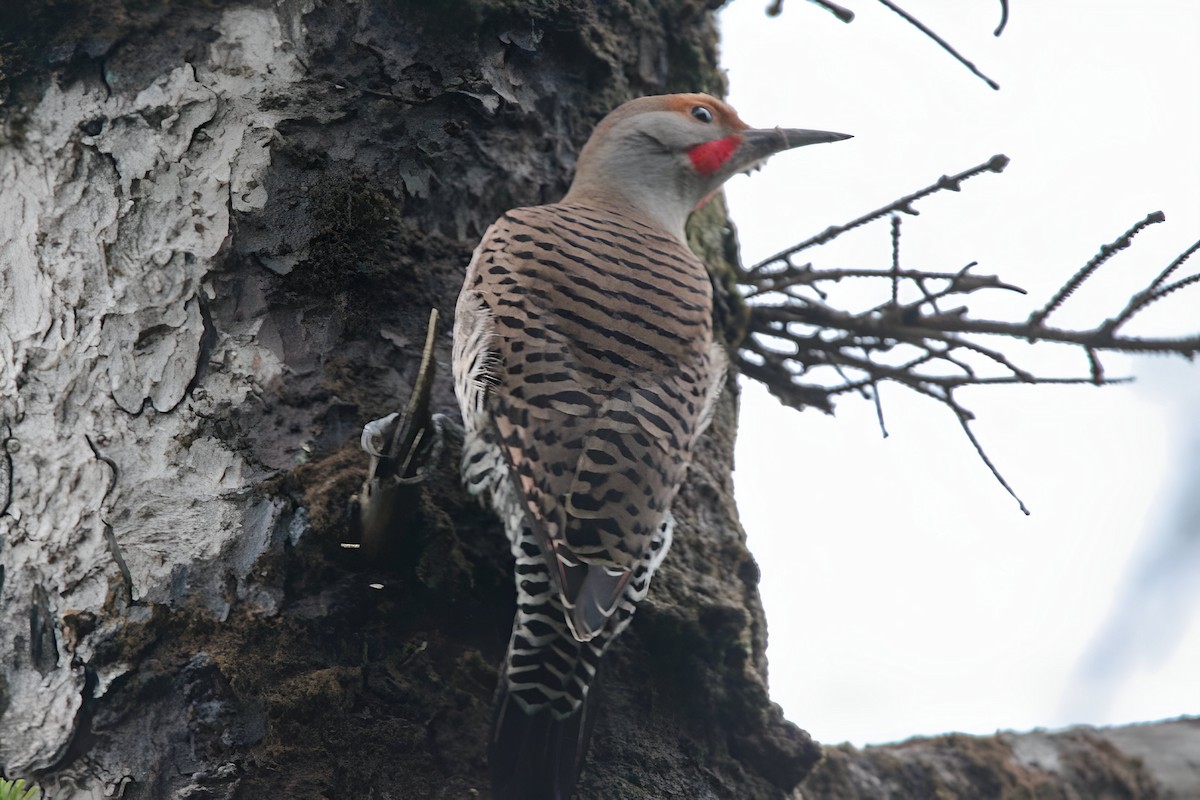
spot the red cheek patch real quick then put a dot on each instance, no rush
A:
(709, 157)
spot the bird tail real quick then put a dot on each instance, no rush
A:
(536, 754)
(542, 724)
(543, 706)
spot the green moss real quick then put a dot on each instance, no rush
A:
(349, 257)
(348, 216)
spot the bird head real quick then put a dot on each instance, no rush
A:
(661, 157)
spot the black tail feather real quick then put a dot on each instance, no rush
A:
(537, 756)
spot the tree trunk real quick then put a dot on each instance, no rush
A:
(223, 226)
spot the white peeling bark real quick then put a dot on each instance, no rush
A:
(114, 209)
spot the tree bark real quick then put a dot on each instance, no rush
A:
(224, 227)
(221, 229)
(1135, 761)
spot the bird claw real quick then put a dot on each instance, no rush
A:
(376, 434)
(415, 463)
(405, 448)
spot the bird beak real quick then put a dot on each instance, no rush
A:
(760, 144)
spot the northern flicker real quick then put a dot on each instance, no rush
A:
(586, 368)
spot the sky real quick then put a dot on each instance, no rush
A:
(906, 594)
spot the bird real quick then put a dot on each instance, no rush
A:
(586, 368)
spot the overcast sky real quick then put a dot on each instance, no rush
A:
(905, 592)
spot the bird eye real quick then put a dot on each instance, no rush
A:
(703, 114)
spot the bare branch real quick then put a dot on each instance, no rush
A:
(895, 259)
(1172, 287)
(966, 426)
(916, 23)
(804, 276)
(1107, 251)
(1003, 18)
(1152, 292)
(878, 409)
(1174, 265)
(844, 14)
(808, 352)
(953, 183)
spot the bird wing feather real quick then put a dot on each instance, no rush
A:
(597, 450)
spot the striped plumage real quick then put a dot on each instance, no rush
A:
(586, 369)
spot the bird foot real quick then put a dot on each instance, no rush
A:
(405, 448)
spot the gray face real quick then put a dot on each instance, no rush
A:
(642, 163)
(674, 131)
(647, 155)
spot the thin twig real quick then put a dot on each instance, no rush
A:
(961, 282)
(965, 422)
(916, 23)
(895, 259)
(1107, 251)
(935, 325)
(844, 14)
(1152, 292)
(1096, 368)
(996, 163)
(1003, 18)
(878, 408)
(1174, 265)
